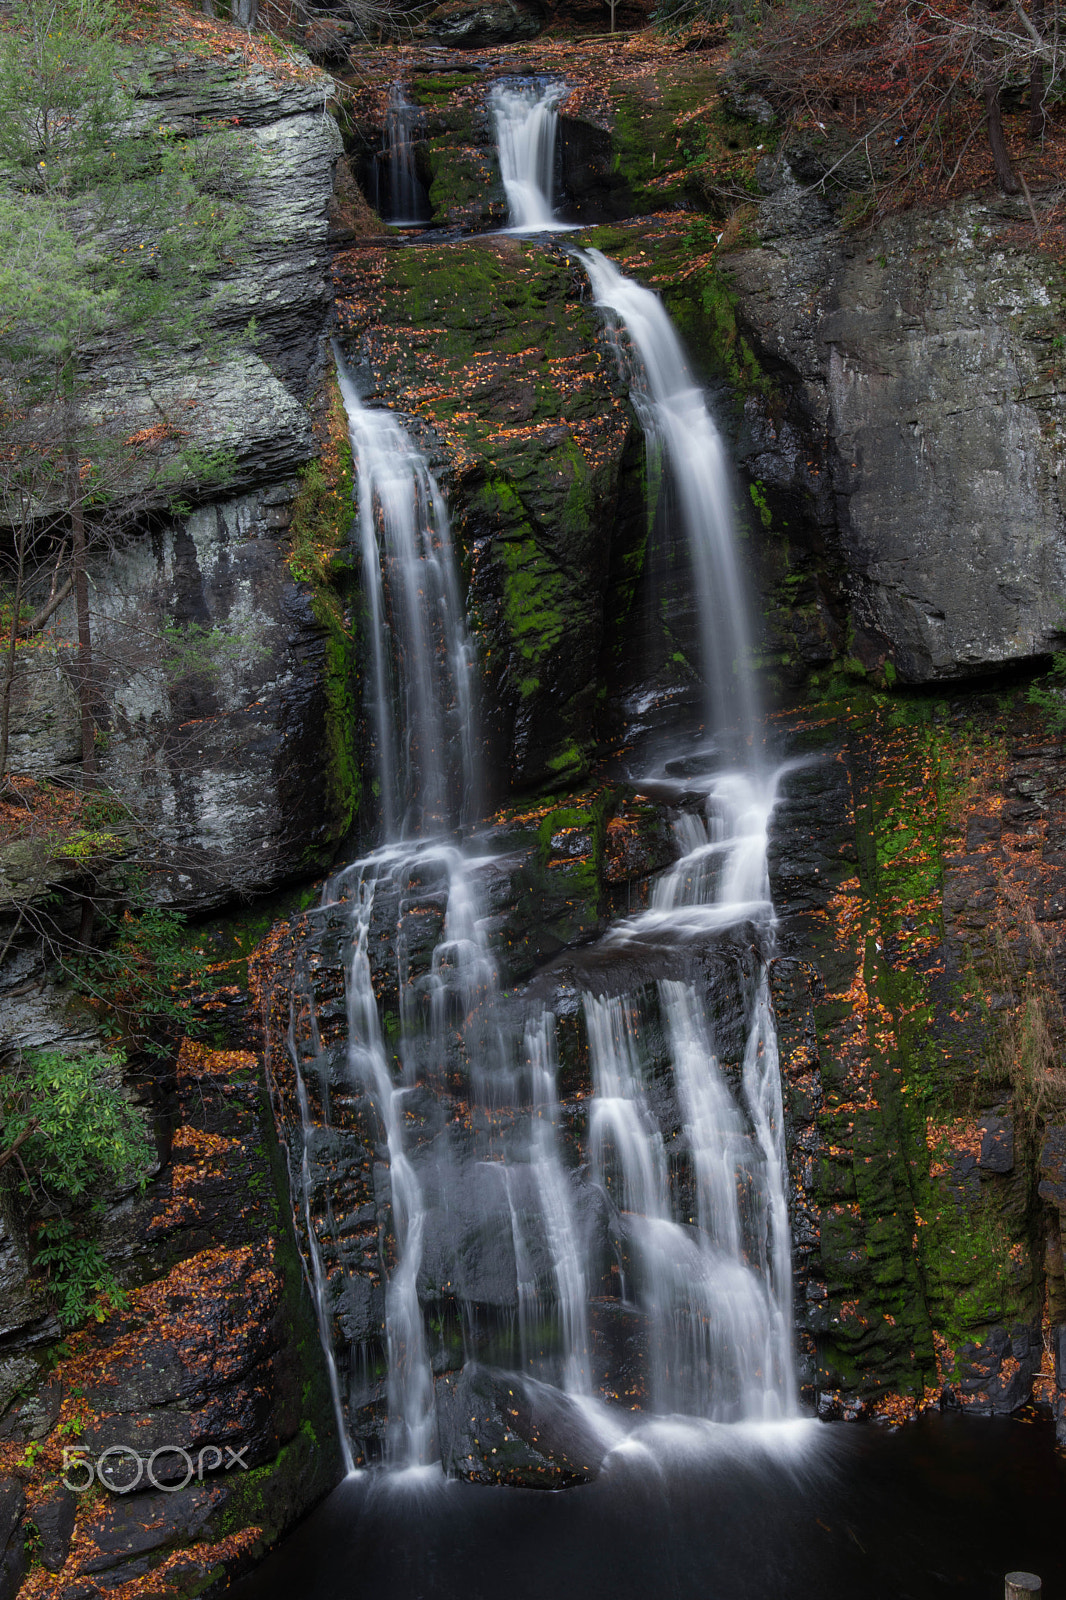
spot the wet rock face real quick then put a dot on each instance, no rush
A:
(486, 1251)
(287, 151)
(13, 1556)
(472, 26)
(918, 875)
(911, 446)
(212, 675)
(493, 1428)
(240, 392)
(212, 671)
(918, 366)
(214, 1361)
(467, 25)
(215, 679)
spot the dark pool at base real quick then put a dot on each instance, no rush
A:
(942, 1508)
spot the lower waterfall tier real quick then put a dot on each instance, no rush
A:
(533, 1199)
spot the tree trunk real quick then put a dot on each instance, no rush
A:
(85, 925)
(9, 657)
(81, 598)
(1036, 78)
(1004, 171)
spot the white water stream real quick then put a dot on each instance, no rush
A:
(405, 196)
(675, 417)
(720, 1298)
(527, 130)
(423, 664)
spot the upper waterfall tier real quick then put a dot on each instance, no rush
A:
(404, 195)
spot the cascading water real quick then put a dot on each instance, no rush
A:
(511, 1228)
(317, 1274)
(421, 685)
(569, 1189)
(422, 668)
(719, 1303)
(402, 199)
(527, 127)
(676, 420)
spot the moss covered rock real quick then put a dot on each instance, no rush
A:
(490, 350)
(906, 1034)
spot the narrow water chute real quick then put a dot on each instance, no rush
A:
(676, 417)
(527, 127)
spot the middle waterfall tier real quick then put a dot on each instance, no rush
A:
(422, 665)
(527, 128)
(559, 1198)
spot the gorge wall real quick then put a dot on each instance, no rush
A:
(219, 683)
(893, 397)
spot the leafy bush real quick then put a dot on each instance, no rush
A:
(72, 1124)
(1050, 696)
(83, 1282)
(139, 976)
(67, 1130)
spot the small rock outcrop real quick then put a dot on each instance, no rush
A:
(487, 347)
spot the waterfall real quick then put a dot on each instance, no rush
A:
(527, 125)
(317, 1275)
(663, 1194)
(556, 1205)
(422, 662)
(425, 734)
(406, 206)
(675, 417)
(717, 1298)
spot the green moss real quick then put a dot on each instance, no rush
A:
(719, 333)
(972, 1278)
(494, 303)
(758, 500)
(510, 373)
(570, 842)
(700, 298)
(908, 1245)
(534, 596)
(721, 153)
(648, 144)
(321, 516)
(462, 182)
(569, 763)
(431, 89)
(269, 1497)
(321, 557)
(342, 771)
(579, 508)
